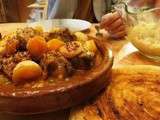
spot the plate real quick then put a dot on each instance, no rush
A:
(72, 24)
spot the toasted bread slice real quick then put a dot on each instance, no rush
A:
(134, 94)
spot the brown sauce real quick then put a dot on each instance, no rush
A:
(10, 88)
(51, 81)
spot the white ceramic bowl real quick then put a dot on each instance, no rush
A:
(72, 24)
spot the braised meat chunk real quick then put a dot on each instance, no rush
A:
(82, 63)
(27, 33)
(63, 34)
(9, 63)
(21, 56)
(23, 35)
(54, 64)
(7, 66)
(11, 46)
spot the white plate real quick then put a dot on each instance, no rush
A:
(72, 24)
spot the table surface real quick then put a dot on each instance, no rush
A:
(124, 54)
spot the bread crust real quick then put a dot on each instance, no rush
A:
(134, 94)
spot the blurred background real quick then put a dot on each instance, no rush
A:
(34, 10)
(22, 10)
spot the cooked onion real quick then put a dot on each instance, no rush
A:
(26, 70)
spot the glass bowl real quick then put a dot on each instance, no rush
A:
(144, 33)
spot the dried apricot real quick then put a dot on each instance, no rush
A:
(37, 46)
(54, 44)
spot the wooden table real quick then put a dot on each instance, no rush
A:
(124, 54)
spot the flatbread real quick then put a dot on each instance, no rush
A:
(134, 94)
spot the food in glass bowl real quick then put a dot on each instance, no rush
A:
(145, 35)
(58, 68)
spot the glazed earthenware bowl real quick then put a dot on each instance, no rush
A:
(59, 96)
